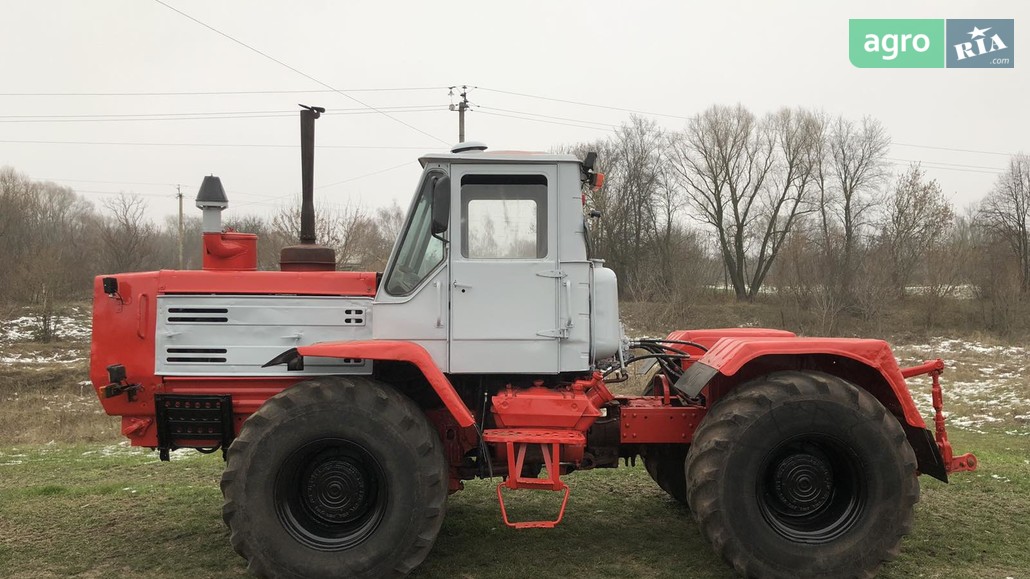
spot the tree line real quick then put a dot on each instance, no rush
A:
(808, 209)
(795, 206)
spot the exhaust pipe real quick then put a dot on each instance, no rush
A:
(308, 256)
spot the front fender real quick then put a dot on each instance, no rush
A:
(398, 351)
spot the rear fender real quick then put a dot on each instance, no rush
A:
(869, 364)
(385, 350)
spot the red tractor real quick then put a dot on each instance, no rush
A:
(349, 405)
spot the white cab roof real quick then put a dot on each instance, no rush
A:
(497, 156)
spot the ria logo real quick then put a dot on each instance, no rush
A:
(931, 43)
(965, 50)
(980, 43)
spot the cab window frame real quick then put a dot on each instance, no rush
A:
(418, 248)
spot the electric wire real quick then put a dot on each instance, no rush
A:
(248, 145)
(606, 125)
(202, 116)
(953, 149)
(584, 104)
(298, 71)
(213, 93)
(545, 121)
(920, 161)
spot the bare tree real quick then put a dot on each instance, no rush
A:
(362, 240)
(126, 234)
(1006, 213)
(916, 219)
(852, 166)
(637, 232)
(749, 181)
(639, 146)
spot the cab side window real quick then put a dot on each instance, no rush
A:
(504, 216)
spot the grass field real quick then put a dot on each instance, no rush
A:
(75, 501)
(114, 511)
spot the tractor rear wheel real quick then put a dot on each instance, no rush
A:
(333, 477)
(665, 464)
(802, 474)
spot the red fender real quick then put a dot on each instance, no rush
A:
(729, 355)
(396, 351)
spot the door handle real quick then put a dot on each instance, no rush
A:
(439, 303)
(568, 303)
(456, 284)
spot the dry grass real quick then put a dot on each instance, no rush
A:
(45, 394)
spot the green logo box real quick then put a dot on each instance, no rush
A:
(900, 43)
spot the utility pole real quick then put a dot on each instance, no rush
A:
(461, 107)
(178, 190)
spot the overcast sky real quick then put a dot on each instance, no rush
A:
(664, 58)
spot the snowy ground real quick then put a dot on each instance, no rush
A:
(986, 386)
(74, 326)
(16, 456)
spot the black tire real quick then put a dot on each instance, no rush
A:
(665, 463)
(335, 477)
(802, 474)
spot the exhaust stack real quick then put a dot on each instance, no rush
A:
(308, 256)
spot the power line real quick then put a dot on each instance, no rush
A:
(204, 114)
(204, 117)
(547, 116)
(545, 121)
(928, 166)
(212, 93)
(348, 180)
(130, 194)
(305, 75)
(248, 145)
(584, 104)
(657, 114)
(56, 179)
(953, 149)
(921, 161)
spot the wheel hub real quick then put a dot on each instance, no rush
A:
(331, 494)
(803, 483)
(337, 491)
(810, 489)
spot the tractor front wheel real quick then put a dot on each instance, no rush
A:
(802, 474)
(335, 477)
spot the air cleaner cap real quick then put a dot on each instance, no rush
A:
(212, 194)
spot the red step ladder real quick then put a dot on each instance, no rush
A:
(550, 442)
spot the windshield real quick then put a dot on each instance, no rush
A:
(419, 252)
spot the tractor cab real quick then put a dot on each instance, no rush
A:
(491, 272)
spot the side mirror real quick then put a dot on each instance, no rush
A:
(441, 204)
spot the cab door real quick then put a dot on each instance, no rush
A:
(504, 282)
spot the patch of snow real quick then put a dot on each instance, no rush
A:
(22, 329)
(37, 358)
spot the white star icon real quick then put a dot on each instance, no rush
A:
(976, 33)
